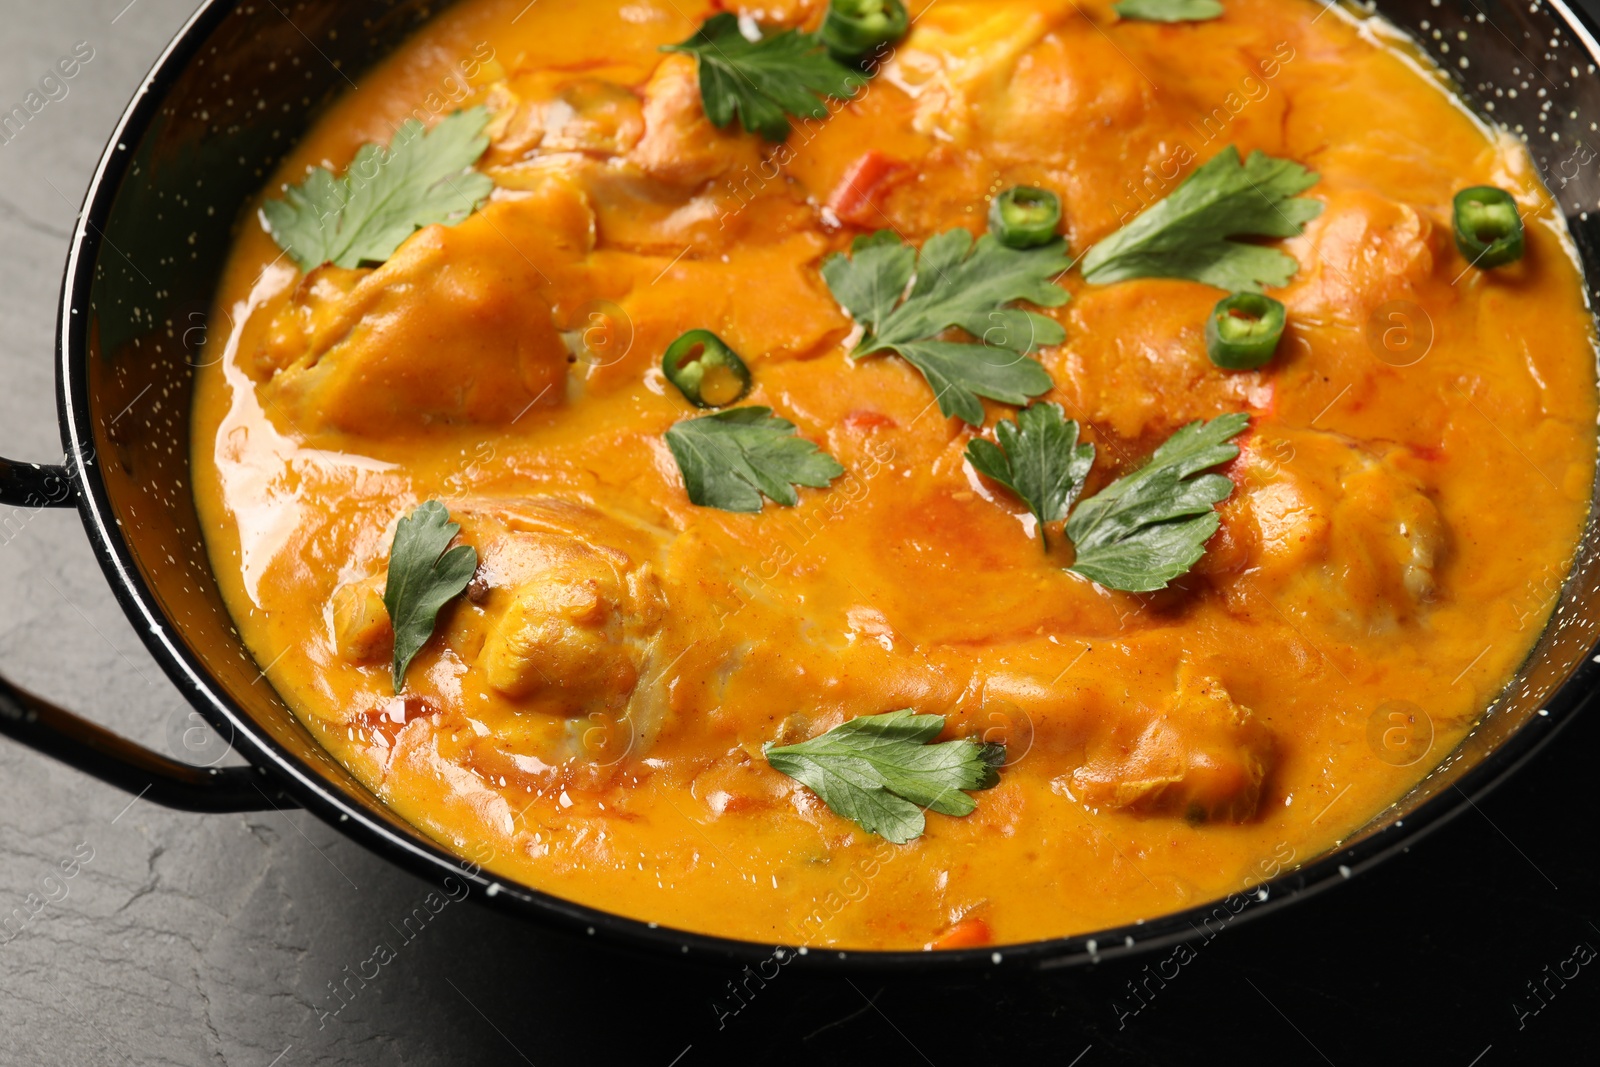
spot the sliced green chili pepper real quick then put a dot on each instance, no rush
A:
(706, 371)
(853, 29)
(1025, 217)
(1488, 226)
(1243, 331)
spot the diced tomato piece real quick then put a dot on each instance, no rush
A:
(855, 200)
(1428, 453)
(865, 419)
(968, 933)
(392, 716)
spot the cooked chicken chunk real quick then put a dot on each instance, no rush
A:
(572, 604)
(1130, 371)
(1337, 530)
(680, 145)
(555, 112)
(361, 628)
(1202, 758)
(560, 635)
(960, 55)
(449, 330)
(1365, 250)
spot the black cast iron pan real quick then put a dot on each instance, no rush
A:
(241, 83)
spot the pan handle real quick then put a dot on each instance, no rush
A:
(117, 761)
(93, 749)
(36, 485)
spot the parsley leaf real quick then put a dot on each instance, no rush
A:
(958, 284)
(385, 196)
(1169, 10)
(1187, 235)
(881, 772)
(731, 458)
(1151, 526)
(1039, 459)
(765, 81)
(423, 577)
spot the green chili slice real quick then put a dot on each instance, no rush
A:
(1243, 331)
(1488, 226)
(853, 29)
(706, 371)
(1025, 217)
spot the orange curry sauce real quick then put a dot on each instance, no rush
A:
(591, 713)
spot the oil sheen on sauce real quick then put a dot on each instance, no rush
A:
(589, 719)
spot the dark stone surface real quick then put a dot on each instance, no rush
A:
(201, 940)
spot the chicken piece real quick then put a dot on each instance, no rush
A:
(1365, 250)
(572, 604)
(551, 111)
(593, 115)
(1203, 758)
(959, 55)
(559, 634)
(449, 330)
(362, 631)
(1335, 530)
(680, 146)
(781, 310)
(516, 129)
(1135, 360)
(678, 183)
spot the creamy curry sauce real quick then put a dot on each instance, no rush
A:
(590, 715)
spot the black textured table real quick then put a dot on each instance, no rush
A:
(136, 935)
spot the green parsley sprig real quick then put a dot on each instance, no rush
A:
(385, 196)
(1149, 527)
(1039, 458)
(1191, 234)
(958, 284)
(882, 771)
(731, 459)
(423, 578)
(1141, 531)
(764, 82)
